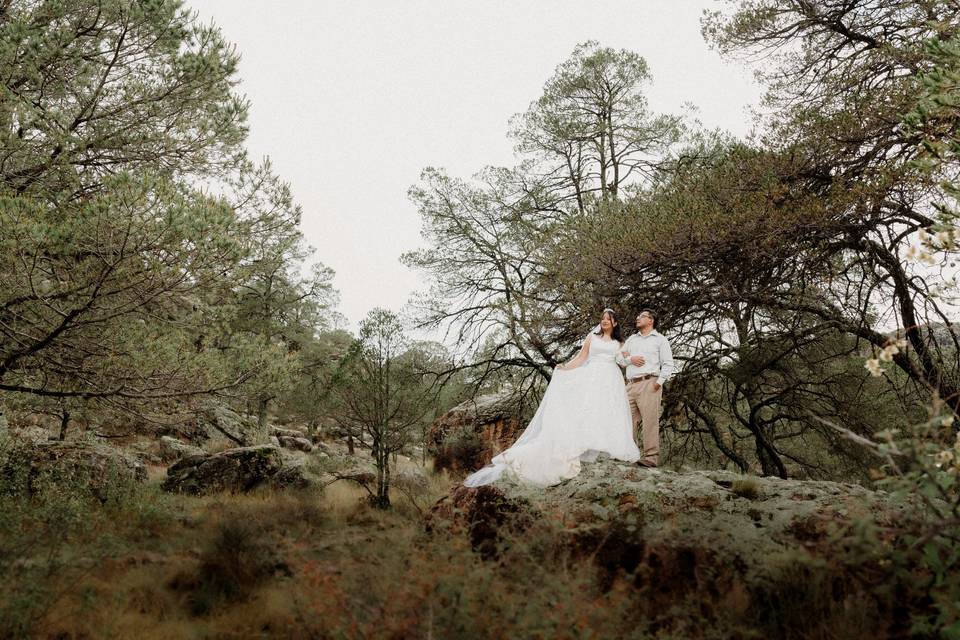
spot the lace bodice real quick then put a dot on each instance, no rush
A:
(603, 350)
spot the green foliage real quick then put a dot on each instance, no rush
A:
(591, 132)
(777, 265)
(384, 394)
(93, 88)
(935, 120)
(126, 274)
(322, 363)
(144, 259)
(589, 138)
(923, 463)
(281, 298)
(56, 522)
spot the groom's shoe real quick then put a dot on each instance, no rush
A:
(647, 463)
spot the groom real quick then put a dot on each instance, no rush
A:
(649, 362)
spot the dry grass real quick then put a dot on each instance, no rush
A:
(746, 487)
(218, 444)
(328, 565)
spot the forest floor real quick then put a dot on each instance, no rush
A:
(617, 552)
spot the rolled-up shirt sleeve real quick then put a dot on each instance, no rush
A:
(666, 361)
(621, 360)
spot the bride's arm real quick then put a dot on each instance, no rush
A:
(581, 357)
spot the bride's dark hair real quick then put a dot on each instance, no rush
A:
(615, 333)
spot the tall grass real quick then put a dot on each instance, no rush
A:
(323, 564)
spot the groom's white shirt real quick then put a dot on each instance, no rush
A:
(655, 349)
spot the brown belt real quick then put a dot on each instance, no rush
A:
(643, 377)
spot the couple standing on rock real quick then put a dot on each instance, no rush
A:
(586, 410)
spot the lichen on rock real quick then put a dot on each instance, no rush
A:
(235, 470)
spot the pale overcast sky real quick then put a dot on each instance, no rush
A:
(351, 99)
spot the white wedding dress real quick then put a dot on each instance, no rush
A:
(584, 412)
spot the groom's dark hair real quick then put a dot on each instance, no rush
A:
(653, 315)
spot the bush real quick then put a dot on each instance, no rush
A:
(84, 470)
(58, 517)
(461, 451)
(235, 562)
(807, 598)
(923, 466)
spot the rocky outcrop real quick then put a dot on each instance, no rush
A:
(284, 431)
(234, 470)
(295, 443)
(174, 449)
(702, 523)
(469, 435)
(32, 467)
(213, 419)
(292, 476)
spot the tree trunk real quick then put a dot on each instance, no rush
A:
(263, 434)
(934, 376)
(725, 445)
(64, 423)
(382, 500)
(770, 462)
(350, 450)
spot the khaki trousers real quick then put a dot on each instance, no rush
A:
(645, 410)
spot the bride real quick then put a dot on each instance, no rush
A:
(584, 412)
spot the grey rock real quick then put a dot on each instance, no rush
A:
(290, 433)
(221, 418)
(292, 476)
(173, 449)
(299, 444)
(664, 511)
(99, 468)
(234, 470)
(213, 419)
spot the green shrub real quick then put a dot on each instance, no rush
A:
(923, 468)
(55, 521)
(461, 451)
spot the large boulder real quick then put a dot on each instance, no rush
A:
(234, 470)
(486, 515)
(295, 443)
(212, 419)
(284, 431)
(702, 532)
(173, 449)
(466, 437)
(102, 470)
(292, 475)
